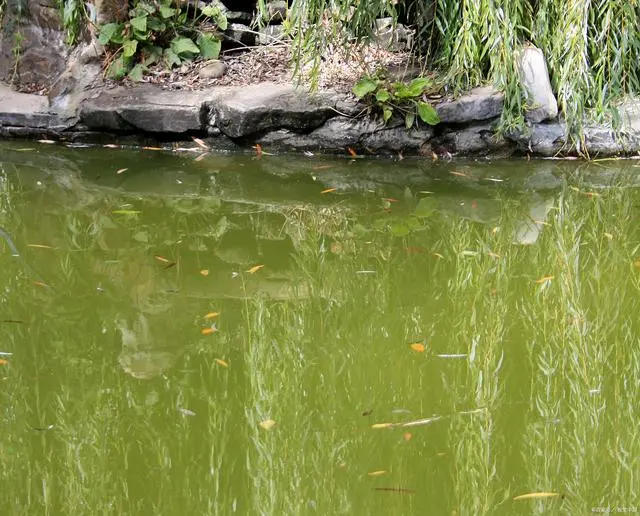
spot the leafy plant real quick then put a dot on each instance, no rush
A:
(156, 32)
(74, 16)
(405, 98)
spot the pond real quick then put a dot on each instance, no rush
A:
(218, 334)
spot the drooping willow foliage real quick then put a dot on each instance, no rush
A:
(592, 47)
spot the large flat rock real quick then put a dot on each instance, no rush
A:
(147, 108)
(270, 106)
(23, 110)
(479, 104)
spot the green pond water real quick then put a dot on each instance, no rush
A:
(423, 338)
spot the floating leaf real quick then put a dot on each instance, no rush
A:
(267, 424)
(254, 269)
(204, 272)
(544, 279)
(328, 190)
(353, 153)
(40, 246)
(221, 362)
(407, 436)
(211, 315)
(186, 412)
(438, 255)
(121, 170)
(530, 496)
(378, 473)
(40, 284)
(200, 143)
(152, 148)
(3, 361)
(258, 149)
(456, 173)
(418, 346)
(161, 258)
(126, 212)
(209, 331)
(376, 426)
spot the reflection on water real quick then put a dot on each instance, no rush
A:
(219, 336)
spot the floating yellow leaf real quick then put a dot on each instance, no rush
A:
(328, 190)
(152, 148)
(40, 284)
(353, 153)
(211, 315)
(40, 246)
(407, 436)
(381, 425)
(530, 496)
(495, 230)
(204, 272)
(200, 142)
(161, 258)
(268, 424)
(221, 362)
(209, 331)
(121, 170)
(493, 255)
(438, 255)
(460, 174)
(637, 264)
(255, 268)
(3, 361)
(609, 236)
(418, 346)
(544, 279)
(47, 141)
(376, 473)
(258, 149)
(434, 156)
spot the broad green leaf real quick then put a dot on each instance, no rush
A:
(171, 58)
(145, 7)
(155, 24)
(107, 31)
(118, 68)
(409, 119)
(418, 85)
(382, 96)
(139, 23)
(137, 72)
(181, 45)
(209, 46)
(364, 86)
(167, 12)
(387, 113)
(216, 15)
(129, 47)
(151, 55)
(427, 114)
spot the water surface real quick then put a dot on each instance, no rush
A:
(233, 335)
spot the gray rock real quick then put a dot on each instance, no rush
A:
(212, 69)
(240, 33)
(473, 140)
(277, 10)
(268, 106)
(547, 139)
(479, 104)
(271, 34)
(542, 104)
(24, 111)
(146, 108)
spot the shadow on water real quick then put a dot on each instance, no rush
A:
(310, 335)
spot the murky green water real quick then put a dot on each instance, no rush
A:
(427, 338)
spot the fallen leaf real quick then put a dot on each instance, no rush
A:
(3, 361)
(460, 174)
(46, 141)
(126, 212)
(328, 190)
(376, 426)
(438, 255)
(211, 315)
(161, 258)
(201, 156)
(200, 142)
(204, 272)
(254, 269)
(40, 246)
(111, 146)
(152, 148)
(407, 436)
(267, 424)
(209, 331)
(258, 149)
(418, 346)
(221, 362)
(376, 473)
(40, 284)
(353, 153)
(609, 236)
(530, 496)
(544, 279)
(434, 156)
(186, 412)
(121, 170)
(389, 199)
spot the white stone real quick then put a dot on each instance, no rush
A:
(541, 103)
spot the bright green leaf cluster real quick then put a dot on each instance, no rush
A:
(159, 33)
(405, 98)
